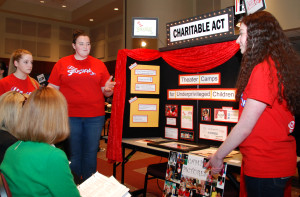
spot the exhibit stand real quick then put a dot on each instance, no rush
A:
(220, 61)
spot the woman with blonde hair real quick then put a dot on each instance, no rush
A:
(10, 108)
(18, 79)
(33, 166)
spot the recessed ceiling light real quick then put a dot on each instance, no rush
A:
(91, 19)
(42, 1)
(116, 9)
(64, 6)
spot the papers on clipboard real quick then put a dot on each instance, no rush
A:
(99, 185)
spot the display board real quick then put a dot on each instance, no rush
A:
(195, 107)
(147, 84)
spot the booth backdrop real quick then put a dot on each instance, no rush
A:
(189, 60)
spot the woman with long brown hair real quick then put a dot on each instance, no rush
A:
(18, 79)
(268, 91)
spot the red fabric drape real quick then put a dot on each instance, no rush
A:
(191, 60)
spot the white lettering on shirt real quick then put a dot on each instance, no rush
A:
(14, 88)
(71, 70)
(291, 125)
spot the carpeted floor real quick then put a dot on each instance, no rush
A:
(135, 171)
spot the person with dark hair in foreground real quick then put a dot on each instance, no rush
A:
(268, 91)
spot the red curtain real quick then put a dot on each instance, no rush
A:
(190, 60)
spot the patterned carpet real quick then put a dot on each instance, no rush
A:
(135, 171)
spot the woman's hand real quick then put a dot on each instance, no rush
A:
(109, 85)
(215, 164)
(108, 89)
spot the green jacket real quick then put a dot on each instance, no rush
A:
(38, 169)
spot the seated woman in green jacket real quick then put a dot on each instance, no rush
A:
(32, 166)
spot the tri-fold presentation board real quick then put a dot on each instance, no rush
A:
(162, 101)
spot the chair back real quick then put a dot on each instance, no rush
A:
(4, 189)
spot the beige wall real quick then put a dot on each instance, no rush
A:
(287, 12)
(50, 40)
(107, 38)
(47, 40)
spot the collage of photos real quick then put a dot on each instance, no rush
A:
(187, 176)
(171, 110)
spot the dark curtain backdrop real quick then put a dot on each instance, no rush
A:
(189, 60)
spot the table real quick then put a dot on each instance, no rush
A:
(234, 163)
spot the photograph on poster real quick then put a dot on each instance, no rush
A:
(189, 177)
(171, 121)
(187, 116)
(187, 135)
(220, 114)
(171, 110)
(205, 114)
(226, 114)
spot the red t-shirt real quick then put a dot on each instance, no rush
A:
(12, 83)
(80, 81)
(269, 151)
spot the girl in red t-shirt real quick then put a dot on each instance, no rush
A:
(268, 91)
(84, 81)
(20, 66)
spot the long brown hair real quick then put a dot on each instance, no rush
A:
(44, 117)
(16, 56)
(266, 39)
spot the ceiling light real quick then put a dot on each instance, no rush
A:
(64, 6)
(91, 19)
(116, 9)
(42, 1)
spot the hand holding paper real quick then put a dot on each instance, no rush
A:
(215, 164)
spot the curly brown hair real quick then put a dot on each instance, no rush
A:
(266, 39)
